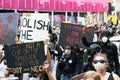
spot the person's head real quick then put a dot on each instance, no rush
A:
(91, 75)
(53, 37)
(76, 49)
(105, 35)
(95, 48)
(104, 24)
(68, 50)
(100, 62)
(7, 72)
(17, 39)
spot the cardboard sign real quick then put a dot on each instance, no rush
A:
(8, 27)
(26, 57)
(34, 27)
(71, 35)
(113, 18)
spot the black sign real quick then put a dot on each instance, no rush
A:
(72, 35)
(26, 57)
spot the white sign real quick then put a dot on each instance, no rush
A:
(81, 20)
(34, 27)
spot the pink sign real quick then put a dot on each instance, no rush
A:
(56, 5)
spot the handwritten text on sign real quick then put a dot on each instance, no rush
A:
(34, 27)
(27, 57)
(71, 34)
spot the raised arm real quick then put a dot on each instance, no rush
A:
(84, 40)
(47, 70)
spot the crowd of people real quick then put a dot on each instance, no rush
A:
(72, 55)
(102, 57)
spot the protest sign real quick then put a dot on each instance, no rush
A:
(81, 20)
(25, 57)
(8, 27)
(91, 19)
(34, 27)
(71, 35)
(112, 18)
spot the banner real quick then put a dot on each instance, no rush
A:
(34, 27)
(26, 57)
(71, 35)
(8, 27)
(56, 5)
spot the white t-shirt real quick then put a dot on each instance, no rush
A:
(5, 79)
(2, 68)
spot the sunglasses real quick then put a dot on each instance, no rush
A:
(96, 61)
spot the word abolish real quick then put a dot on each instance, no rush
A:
(30, 28)
(34, 24)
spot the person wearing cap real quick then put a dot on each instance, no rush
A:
(94, 49)
(108, 48)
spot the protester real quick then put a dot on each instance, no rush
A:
(55, 52)
(47, 64)
(94, 49)
(3, 64)
(60, 51)
(101, 64)
(17, 39)
(46, 73)
(79, 58)
(103, 27)
(43, 75)
(107, 47)
(52, 46)
(67, 64)
(47, 70)
(6, 74)
(91, 75)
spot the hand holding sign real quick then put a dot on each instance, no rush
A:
(46, 66)
(26, 57)
(84, 31)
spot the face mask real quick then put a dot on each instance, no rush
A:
(104, 39)
(67, 51)
(99, 66)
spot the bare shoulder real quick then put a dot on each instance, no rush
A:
(116, 77)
